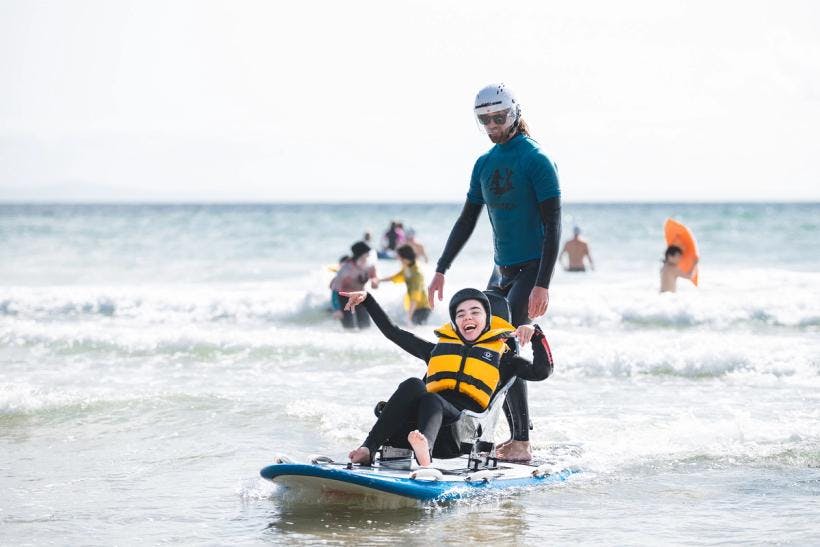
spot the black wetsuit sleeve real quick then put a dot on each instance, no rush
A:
(407, 341)
(541, 366)
(461, 232)
(550, 210)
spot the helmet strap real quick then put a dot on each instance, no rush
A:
(514, 127)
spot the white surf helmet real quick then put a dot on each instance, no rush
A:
(496, 99)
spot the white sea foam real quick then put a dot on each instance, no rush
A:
(153, 358)
(741, 299)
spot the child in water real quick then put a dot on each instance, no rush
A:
(670, 272)
(458, 377)
(415, 301)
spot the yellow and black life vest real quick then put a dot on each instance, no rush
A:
(471, 369)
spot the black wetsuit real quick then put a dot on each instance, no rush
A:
(515, 282)
(412, 407)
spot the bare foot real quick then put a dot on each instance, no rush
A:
(420, 446)
(514, 451)
(502, 445)
(361, 455)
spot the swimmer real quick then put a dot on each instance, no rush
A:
(576, 249)
(670, 272)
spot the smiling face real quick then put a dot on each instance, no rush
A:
(471, 318)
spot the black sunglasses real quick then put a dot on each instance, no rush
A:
(499, 119)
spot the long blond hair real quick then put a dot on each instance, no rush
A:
(522, 127)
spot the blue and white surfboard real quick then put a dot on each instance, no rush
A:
(445, 480)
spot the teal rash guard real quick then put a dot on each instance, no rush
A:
(511, 180)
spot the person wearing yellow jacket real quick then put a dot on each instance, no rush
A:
(465, 366)
(415, 301)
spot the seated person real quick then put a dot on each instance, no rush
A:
(466, 366)
(415, 301)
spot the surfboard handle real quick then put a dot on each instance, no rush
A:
(427, 474)
(319, 459)
(543, 470)
(485, 475)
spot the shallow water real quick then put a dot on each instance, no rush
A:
(154, 358)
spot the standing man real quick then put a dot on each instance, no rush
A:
(576, 250)
(519, 185)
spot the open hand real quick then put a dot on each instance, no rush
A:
(354, 298)
(539, 300)
(524, 334)
(436, 286)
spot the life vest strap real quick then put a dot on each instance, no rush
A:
(475, 382)
(443, 348)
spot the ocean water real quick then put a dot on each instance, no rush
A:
(154, 357)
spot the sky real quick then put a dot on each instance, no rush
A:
(263, 101)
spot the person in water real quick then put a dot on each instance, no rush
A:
(418, 248)
(393, 237)
(417, 414)
(670, 272)
(576, 250)
(415, 301)
(353, 275)
(335, 301)
(519, 185)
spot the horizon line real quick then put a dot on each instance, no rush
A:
(445, 202)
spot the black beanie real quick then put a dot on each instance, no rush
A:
(470, 294)
(359, 248)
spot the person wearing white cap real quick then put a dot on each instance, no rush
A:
(519, 185)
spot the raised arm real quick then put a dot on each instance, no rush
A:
(422, 252)
(690, 273)
(407, 341)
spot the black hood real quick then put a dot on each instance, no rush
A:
(470, 294)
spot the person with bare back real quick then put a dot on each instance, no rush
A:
(576, 250)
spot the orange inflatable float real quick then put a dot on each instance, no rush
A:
(678, 234)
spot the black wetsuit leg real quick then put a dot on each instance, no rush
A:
(516, 283)
(397, 418)
(412, 407)
(435, 415)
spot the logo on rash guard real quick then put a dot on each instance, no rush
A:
(496, 185)
(488, 356)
